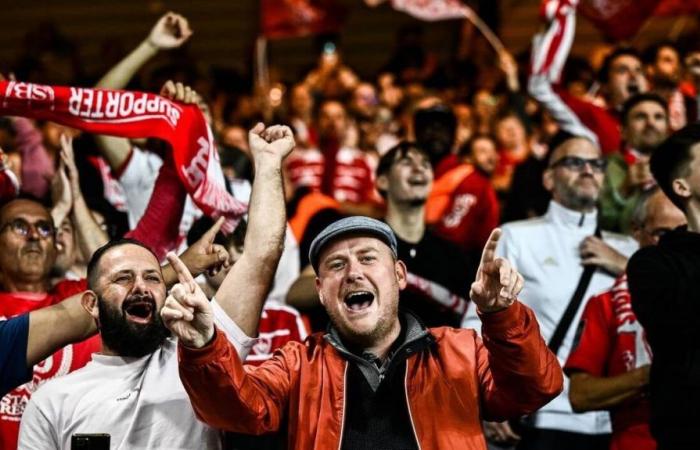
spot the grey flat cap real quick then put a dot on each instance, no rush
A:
(351, 225)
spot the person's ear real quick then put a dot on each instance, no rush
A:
(548, 179)
(382, 183)
(681, 188)
(89, 302)
(401, 272)
(318, 290)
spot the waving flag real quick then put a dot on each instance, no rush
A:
(281, 19)
(622, 19)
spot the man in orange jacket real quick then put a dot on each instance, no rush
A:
(377, 379)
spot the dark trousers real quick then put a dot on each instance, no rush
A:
(541, 439)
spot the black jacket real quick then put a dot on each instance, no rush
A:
(664, 283)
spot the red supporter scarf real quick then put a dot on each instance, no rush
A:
(136, 115)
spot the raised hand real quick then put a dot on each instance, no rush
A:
(187, 312)
(179, 92)
(276, 141)
(205, 255)
(497, 283)
(68, 159)
(171, 31)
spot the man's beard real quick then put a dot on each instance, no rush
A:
(577, 200)
(355, 340)
(126, 338)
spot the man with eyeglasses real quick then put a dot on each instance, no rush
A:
(27, 255)
(609, 366)
(663, 283)
(551, 252)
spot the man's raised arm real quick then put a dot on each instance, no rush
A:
(171, 31)
(243, 292)
(518, 373)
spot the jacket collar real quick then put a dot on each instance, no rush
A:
(415, 337)
(559, 215)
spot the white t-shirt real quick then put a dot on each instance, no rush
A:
(140, 402)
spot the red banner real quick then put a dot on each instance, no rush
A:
(622, 19)
(618, 19)
(677, 7)
(281, 19)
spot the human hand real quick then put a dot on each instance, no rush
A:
(205, 255)
(500, 433)
(68, 161)
(171, 31)
(595, 252)
(510, 68)
(497, 283)
(639, 173)
(185, 94)
(179, 92)
(276, 141)
(187, 312)
(61, 189)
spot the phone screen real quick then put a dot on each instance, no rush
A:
(97, 441)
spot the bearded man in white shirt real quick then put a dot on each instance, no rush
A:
(551, 252)
(131, 390)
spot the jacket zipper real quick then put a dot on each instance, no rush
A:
(408, 405)
(342, 412)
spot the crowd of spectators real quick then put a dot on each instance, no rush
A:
(580, 162)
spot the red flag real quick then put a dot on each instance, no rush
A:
(677, 7)
(294, 18)
(618, 19)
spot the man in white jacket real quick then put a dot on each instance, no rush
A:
(551, 252)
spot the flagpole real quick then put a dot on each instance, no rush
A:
(490, 36)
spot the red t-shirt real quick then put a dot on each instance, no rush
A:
(611, 342)
(279, 324)
(353, 178)
(64, 361)
(472, 213)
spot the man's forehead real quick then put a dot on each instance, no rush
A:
(411, 153)
(626, 60)
(24, 209)
(353, 242)
(648, 105)
(580, 147)
(128, 257)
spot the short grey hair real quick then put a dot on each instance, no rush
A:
(640, 212)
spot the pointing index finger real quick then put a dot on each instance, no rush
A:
(183, 273)
(211, 232)
(489, 253)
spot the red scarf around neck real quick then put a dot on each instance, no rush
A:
(135, 115)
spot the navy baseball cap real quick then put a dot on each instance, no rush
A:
(352, 225)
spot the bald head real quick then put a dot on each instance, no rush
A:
(654, 216)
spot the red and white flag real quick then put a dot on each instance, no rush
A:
(431, 10)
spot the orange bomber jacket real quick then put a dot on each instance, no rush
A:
(450, 386)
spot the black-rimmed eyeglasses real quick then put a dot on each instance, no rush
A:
(21, 227)
(578, 164)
